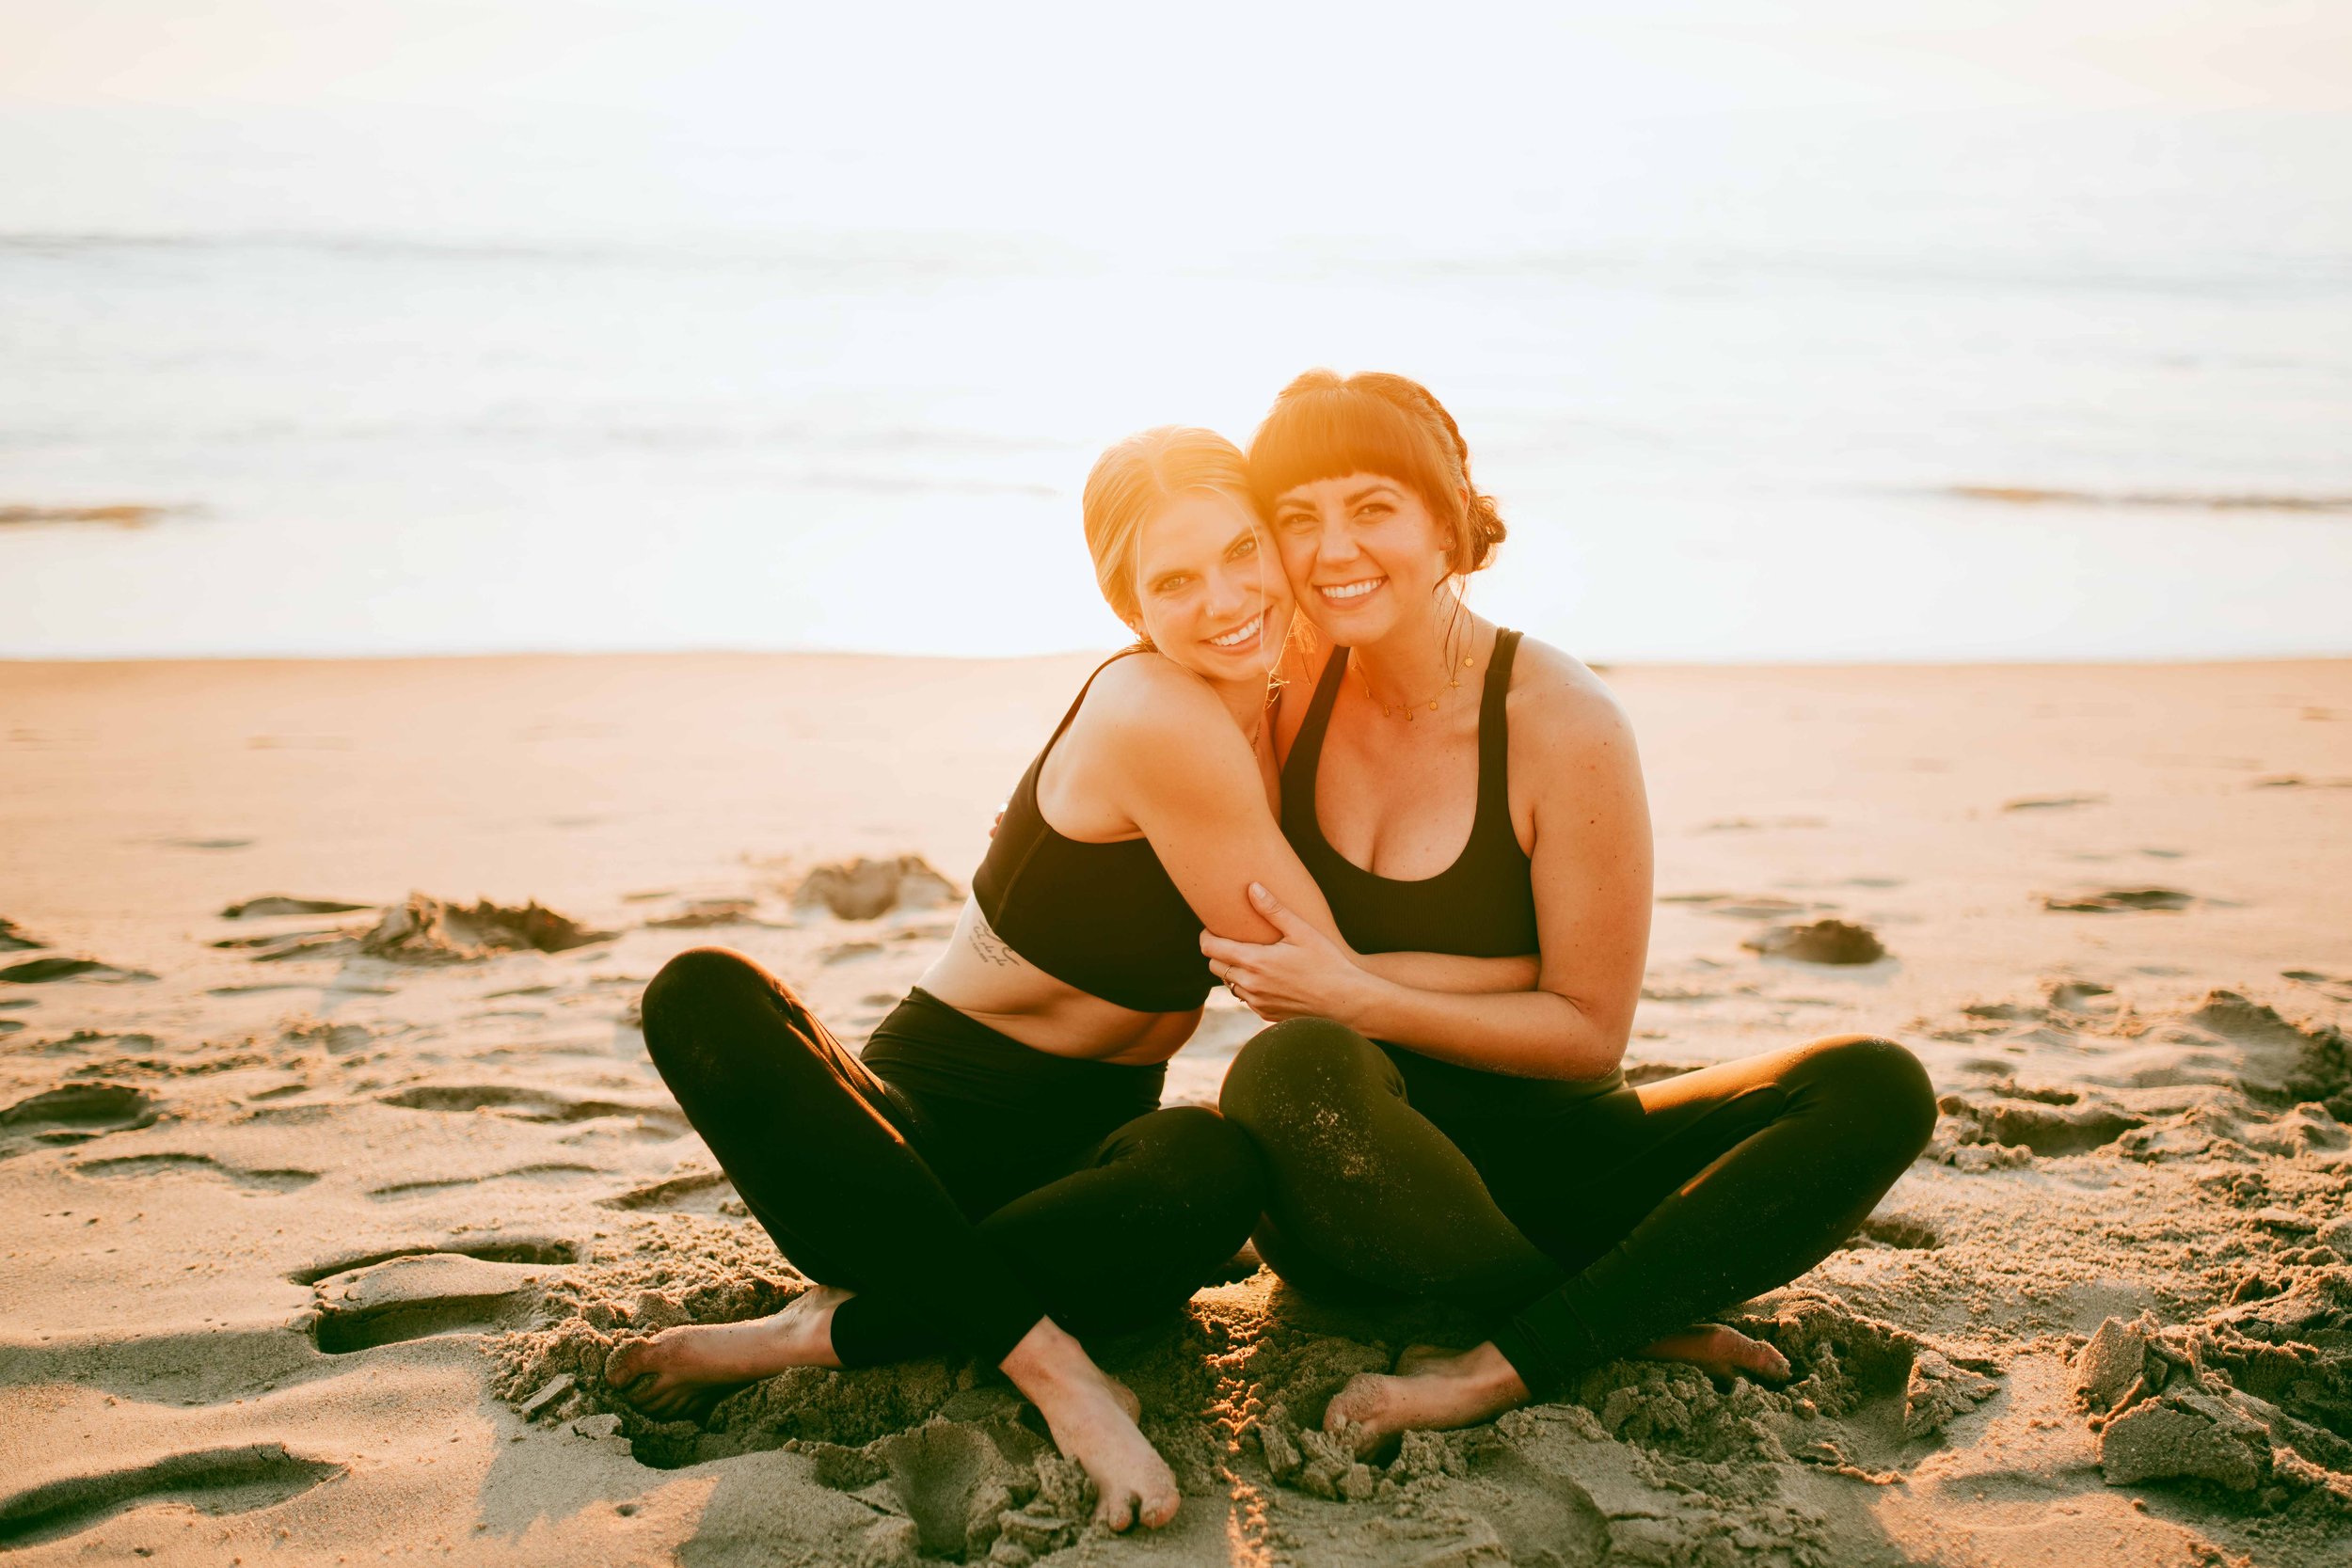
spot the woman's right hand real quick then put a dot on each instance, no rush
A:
(1305, 975)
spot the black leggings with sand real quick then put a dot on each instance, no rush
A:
(1598, 1222)
(978, 1186)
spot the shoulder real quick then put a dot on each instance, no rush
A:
(1564, 716)
(1146, 701)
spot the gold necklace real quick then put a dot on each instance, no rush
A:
(1412, 710)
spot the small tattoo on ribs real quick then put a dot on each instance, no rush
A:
(991, 948)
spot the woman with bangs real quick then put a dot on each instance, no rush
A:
(1455, 787)
(956, 1186)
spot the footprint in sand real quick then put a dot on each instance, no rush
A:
(2081, 996)
(421, 1294)
(696, 1193)
(279, 903)
(2336, 986)
(542, 1250)
(2053, 803)
(41, 971)
(1740, 907)
(522, 1103)
(2118, 901)
(702, 913)
(275, 943)
(2047, 1122)
(937, 1472)
(545, 1171)
(234, 1479)
(73, 1115)
(198, 1165)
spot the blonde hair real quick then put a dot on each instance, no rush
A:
(1129, 485)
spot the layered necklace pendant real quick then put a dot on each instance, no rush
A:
(1412, 710)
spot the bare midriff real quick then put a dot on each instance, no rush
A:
(981, 978)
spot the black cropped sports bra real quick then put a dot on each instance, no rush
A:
(1483, 905)
(1103, 917)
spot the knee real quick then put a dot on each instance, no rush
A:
(1219, 1164)
(1295, 1067)
(1885, 1086)
(695, 981)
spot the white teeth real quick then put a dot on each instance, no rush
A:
(1239, 635)
(1351, 591)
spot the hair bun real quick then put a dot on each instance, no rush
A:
(1486, 530)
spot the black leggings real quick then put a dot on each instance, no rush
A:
(1599, 1221)
(961, 1183)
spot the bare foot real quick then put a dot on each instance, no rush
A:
(1430, 1389)
(1092, 1417)
(679, 1368)
(1719, 1352)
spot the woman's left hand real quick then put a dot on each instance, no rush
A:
(1306, 974)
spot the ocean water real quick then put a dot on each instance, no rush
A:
(1934, 389)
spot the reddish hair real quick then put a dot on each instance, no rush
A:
(1327, 426)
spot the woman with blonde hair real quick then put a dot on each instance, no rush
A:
(994, 1175)
(1457, 788)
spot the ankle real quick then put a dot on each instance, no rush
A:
(1489, 1371)
(1046, 1357)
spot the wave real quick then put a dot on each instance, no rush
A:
(129, 514)
(2024, 494)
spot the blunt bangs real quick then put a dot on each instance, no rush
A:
(1331, 432)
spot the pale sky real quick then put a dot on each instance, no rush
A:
(1107, 68)
(1128, 126)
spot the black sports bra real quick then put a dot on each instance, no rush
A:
(1103, 917)
(1483, 905)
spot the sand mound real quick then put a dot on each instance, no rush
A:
(2168, 1403)
(865, 889)
(424, 929)
(1823, 942)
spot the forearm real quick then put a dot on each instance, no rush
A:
(1452, 973)
(1527, 1034)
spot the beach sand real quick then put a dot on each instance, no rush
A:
(319, 1221)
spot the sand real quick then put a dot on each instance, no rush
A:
(333, 1164)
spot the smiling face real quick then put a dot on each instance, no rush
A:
(1361, 552)
(1208, 595)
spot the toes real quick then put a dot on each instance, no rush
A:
(1160, 1508)
(1349, 1407)
(1117, 1513)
